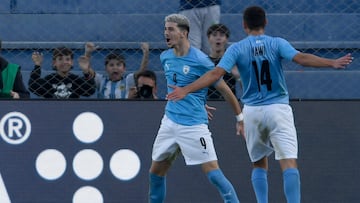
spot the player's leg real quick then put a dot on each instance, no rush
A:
(218, 179)
(284, 140)
(157, 181)
(164, 145)
(291, 180)
(259, 180)
(197, 147)
(258, 146)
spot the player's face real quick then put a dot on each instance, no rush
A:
(173, 35)
(218, 41)
(63, 64)
(115, 69)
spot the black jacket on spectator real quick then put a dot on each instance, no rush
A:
(56, 86)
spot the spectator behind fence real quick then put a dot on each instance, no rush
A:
(145, 86)
(201, 14)
(62, 84)
(218, 36)
(11, 81)
(113, 84)
(268, 117)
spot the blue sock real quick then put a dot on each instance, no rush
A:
(260, 184)
(291, 179)
(223, 185)
(157, 188)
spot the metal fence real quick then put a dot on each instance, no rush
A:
(325, 28)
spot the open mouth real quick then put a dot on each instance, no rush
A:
(115, 73)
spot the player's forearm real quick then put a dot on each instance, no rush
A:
(204, 81)
(229, 96)
(232, 100)
(305, 59)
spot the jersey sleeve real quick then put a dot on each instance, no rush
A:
(228, 60)
(287, 51)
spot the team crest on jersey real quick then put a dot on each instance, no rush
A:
(186, 69)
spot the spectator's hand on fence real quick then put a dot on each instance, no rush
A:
(89, 48)
(84, 63)
(37, 58)
(145, 47)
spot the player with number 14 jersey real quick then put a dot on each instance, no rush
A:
(258, 58)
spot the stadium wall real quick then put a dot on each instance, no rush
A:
(69, 151)
(322, 28)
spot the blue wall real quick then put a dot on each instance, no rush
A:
(37, 25)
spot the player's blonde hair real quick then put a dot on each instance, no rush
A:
(181, 21)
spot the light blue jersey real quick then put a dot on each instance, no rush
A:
(181, 71)
(258, 59)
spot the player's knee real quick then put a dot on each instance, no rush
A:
(209, 166)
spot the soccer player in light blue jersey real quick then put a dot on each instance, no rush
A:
(185, 123)
(268, 118)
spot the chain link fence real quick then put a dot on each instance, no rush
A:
(322, 27)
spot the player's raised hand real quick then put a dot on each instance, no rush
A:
(342, 62)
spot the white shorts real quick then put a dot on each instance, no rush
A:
(194, 142)
(270, 128)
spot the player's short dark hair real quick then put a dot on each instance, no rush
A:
(115, 56)
(254, 17)
(62, 51)
(218, 28)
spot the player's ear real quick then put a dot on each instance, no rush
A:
(244, 25)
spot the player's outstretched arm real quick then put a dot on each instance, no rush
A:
(204, 81)
(306, 59)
